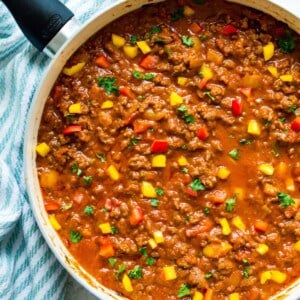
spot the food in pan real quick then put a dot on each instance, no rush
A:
(168, 153)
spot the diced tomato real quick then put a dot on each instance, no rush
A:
(195, 27)
(136, 216)
(126, 92)
(159, 146)
(217, 196)
(58, 91)
(191, 192)
(205, 226)
(51, 206)
(140, 126)
(107, 250)
(202, 83)
(247, 91)
(236, 107)
(260, 226)
(149, 61)
(295, 125)
(229, 29)
(102, 61)
(72, 129)
(202, 133)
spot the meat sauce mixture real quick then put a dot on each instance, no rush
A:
(169, 156)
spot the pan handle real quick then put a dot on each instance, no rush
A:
(41, 22)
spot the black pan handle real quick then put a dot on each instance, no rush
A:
(40, 20)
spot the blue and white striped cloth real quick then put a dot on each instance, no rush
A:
(28, 270)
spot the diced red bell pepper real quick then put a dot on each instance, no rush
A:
(260, 226)
(72, 129)
(51, 206)
(229, 29)
(202, 83)
(149, 61)
(107, 250)
(159, 146)
(140, 126)
(295, 125)
(247, 91)
(136, 216)
(195, 27)
(191, 192)
(102, 61)
(125, 91)
(202, 133)
(236, 107)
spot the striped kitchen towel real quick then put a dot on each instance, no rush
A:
(28, 270)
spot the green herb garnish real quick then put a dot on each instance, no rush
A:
(246, 271)
(209, 95)
(197, 185)
(149, 76)
(155, 29)
(102, 157)
(108, 83)
(282, 120)
(185, 170)
(208, 275)
(202, 37)
(136, 273)
(114, 230)
(75, 169)
(133, 39)
(133, 142)
(154, 202)
(159, 191)
(112, 261)
(230, 204)
(137, 74)
(184, 290)
(234, 154)
(177, 15)
(244, 141)
(285, 199)
(292, 108)
(87, 180)
(187, 41)
(143, 251)
(206, 210)
(150, 261)
(75, 236)
(89, 210)
(120, 270)
(287, 43)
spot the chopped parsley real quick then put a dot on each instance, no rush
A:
(149, 76)
(133, 39)
(292, 108)
(155, 29)
(188, 118)
(187, 218)
(184, 290)
(136, 273)
(87, 180)
(102, 157)
(187, 41)
(197, 185)
(266, 123)
(120, 270)
(208, 275)
(287, 43)
(230, 203)
(244, 141)
(177, 15)
(185, 170)
(112, 261)
(150, 261)
(246, 271)
(114, 230)
(206, 210)
(137, 74)
(143, 251)
(184, 147)
(75, 169)
(159, 191)
(285, 199)
(182, 109)
(89, 210)
(209, 95)
(234, 154)
(154, 202)
(108, 83)
(202, 37)
(75, 236)
(133, 142)
(275, 150)
(282, 120)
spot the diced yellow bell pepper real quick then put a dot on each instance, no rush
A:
(197, 296)
(127, 283)
(175, 99)
(286, 77)
(169, 272)
(107, 104)
(49, 179)
(42, 149)
(273, 71)
(131, 51)
(238, 223)
(297, 246)
(53, 221)
(118, 40)
(266, 169)
(262, 249)
(234, 296)
(105, 228)
(239, 193)
(181, 80)
(281, 169)
(223, 173)
(277, 276)
(182, 161)
(206, 72)
(158, 237)
(143, 45)
(194, 62)
(74, 69)
(226, 230)
(214, 56)
(75, 108)
(268, 51)
(215, 250)
(113, 173)
(290, 184)
(152, 243)
(159, 161)
(148, 190)
(188, 11)
(265, 276)
(253, 128)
